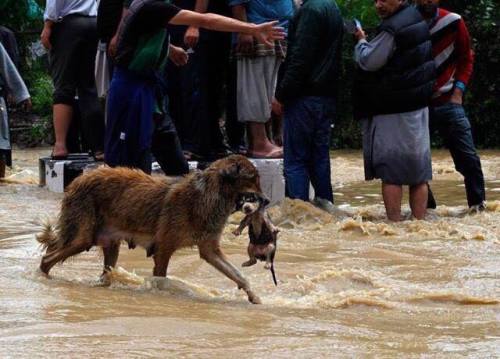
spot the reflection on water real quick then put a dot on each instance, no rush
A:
(352, 286)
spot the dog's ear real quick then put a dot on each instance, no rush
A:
(230, 173)
(235, 171)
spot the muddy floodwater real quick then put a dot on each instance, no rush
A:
(348, 287)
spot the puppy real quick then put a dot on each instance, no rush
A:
(262, 232)
(109, 205)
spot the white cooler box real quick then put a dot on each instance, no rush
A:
(272, 180)
(57, 174)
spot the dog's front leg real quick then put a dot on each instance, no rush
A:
(213, 255)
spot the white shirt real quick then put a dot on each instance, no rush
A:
(55, 10)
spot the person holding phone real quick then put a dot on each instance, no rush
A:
(393, 87)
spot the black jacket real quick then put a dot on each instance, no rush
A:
(313, 57)
(405, 83)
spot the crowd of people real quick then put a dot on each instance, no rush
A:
(170, 71)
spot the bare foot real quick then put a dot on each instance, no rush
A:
(274, 152)
(59, 151)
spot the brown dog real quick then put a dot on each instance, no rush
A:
(108, 205)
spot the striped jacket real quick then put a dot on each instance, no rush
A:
(454, 58)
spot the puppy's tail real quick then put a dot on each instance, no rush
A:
(274, 275)
(48, 237)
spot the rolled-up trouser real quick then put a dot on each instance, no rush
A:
(454, 127)
(256, 85)
(72, 62)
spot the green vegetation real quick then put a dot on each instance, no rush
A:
(482, 99)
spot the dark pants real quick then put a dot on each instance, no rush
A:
(196, 92)
(235, 129)
(72, 62)
(306, 147)
(454, 127)
(134, 131)
(166, 147)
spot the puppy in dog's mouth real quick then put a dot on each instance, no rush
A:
(261, 231)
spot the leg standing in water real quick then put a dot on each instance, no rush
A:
(454, 69)
(396, 145)
(307, 93)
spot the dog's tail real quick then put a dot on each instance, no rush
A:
(48, 237)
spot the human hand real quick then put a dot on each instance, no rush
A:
(191, 36)
(244, 43)
(268, 32)
(277, 107)
(112, 46)
(457, 97)
(360, 34)
(178, 55)
(45, 35)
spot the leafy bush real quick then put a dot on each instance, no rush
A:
(41, 94)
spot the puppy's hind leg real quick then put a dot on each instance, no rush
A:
(213, 255)
(249, 262)
(252, 260)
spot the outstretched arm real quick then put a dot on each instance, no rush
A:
(265, 33)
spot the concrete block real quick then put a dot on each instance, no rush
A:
(271, 178)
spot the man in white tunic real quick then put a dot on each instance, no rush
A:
(392, 90)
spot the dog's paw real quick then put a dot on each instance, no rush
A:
(254, 299)
(104, 280)
(267, 266)
(248, 263)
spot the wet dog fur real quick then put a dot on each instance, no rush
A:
(110, 205)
